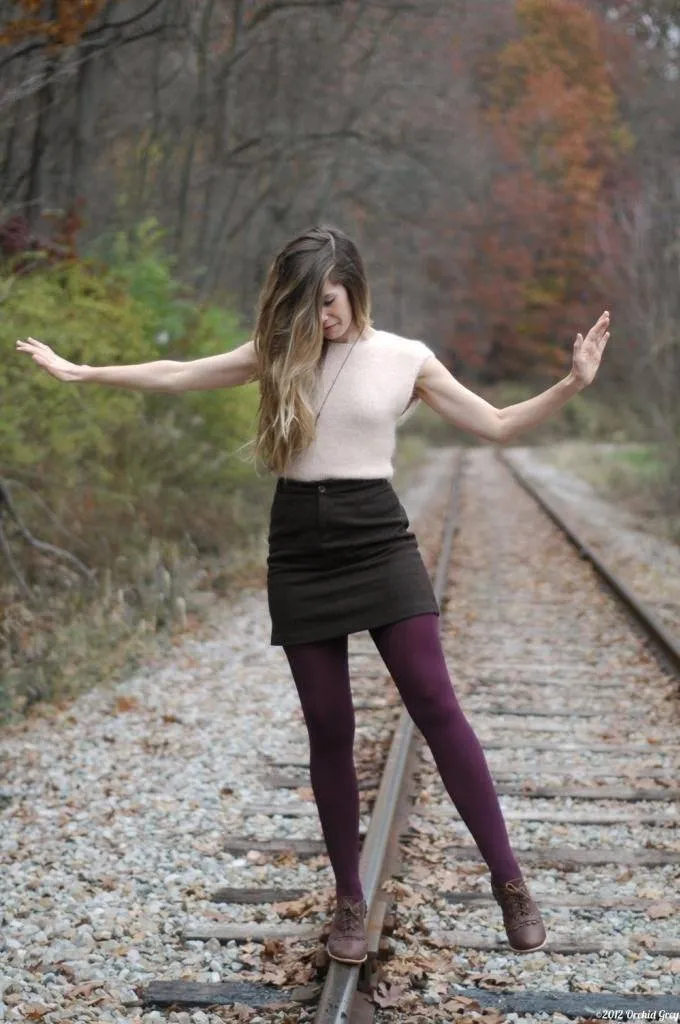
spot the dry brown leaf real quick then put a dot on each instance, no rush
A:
(35, 1011)
(487, 980)
(241, 1012)
(661, 909)
(297, 908)
(84, 989)
(273, 947)
(389, 993)
(460, 1003)
(275, 977)
(588, 986)
(126, 704)
(66, 969)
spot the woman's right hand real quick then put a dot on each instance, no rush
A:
(50, 361)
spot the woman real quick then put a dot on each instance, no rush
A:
(342, 557)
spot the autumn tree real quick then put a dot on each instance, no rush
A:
(51, 52)
(553, 112)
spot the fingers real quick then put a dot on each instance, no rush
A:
(599, 328)
(35, 348)
(31, 343)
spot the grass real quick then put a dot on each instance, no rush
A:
(154, 593)
(76, 636)
(633, 475)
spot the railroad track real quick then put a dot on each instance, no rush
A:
(574, 697)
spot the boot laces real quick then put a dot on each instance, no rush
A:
(350, 915)
(519, 897)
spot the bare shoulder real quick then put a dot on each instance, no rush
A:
(430, 372)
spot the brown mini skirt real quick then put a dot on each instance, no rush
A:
(342, 558)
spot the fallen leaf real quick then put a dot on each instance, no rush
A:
(661, 909)
(588, 986)
(239, 1011)
(66, 970)
(389, 994)
(126, 704)
(460, 1003)
(275, 977)
(273, 947)
(35, 1011)
(85, 989)
(486, 980)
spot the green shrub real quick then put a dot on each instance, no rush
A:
(48, 428)
(110, 474)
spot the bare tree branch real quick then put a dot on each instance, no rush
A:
(6, 505)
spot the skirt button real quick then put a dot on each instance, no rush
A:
(322, 488)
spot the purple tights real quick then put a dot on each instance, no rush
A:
(412, 652)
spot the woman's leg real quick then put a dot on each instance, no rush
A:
(321, 674)
(412, 652)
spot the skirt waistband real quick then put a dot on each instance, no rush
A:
(332, 484)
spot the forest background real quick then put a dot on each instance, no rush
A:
(508, 170)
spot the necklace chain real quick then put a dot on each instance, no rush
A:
(335, 378)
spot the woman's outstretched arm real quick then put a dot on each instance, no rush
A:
(226, 370)
(469, 411)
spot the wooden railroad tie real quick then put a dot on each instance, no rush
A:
(526, 789)
(259, 932)
(558, 856)
(258, 897)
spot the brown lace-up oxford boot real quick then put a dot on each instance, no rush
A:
(521, 916)
(347, 938)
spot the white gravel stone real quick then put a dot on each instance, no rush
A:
(119, 805)
(112, 842)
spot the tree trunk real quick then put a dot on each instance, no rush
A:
(198, 124)
(44, 100)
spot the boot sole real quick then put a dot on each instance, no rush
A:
(528, 949)
(342, 960)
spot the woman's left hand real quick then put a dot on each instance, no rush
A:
(588, 351)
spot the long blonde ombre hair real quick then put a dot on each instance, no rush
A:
(289, 339)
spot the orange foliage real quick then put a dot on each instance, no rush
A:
(554, 113)
(33, 20)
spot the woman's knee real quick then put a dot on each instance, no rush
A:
(434, 704)
(330, 731)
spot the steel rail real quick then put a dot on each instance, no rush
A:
(340, 986)
(342, 979)
(648, 619)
